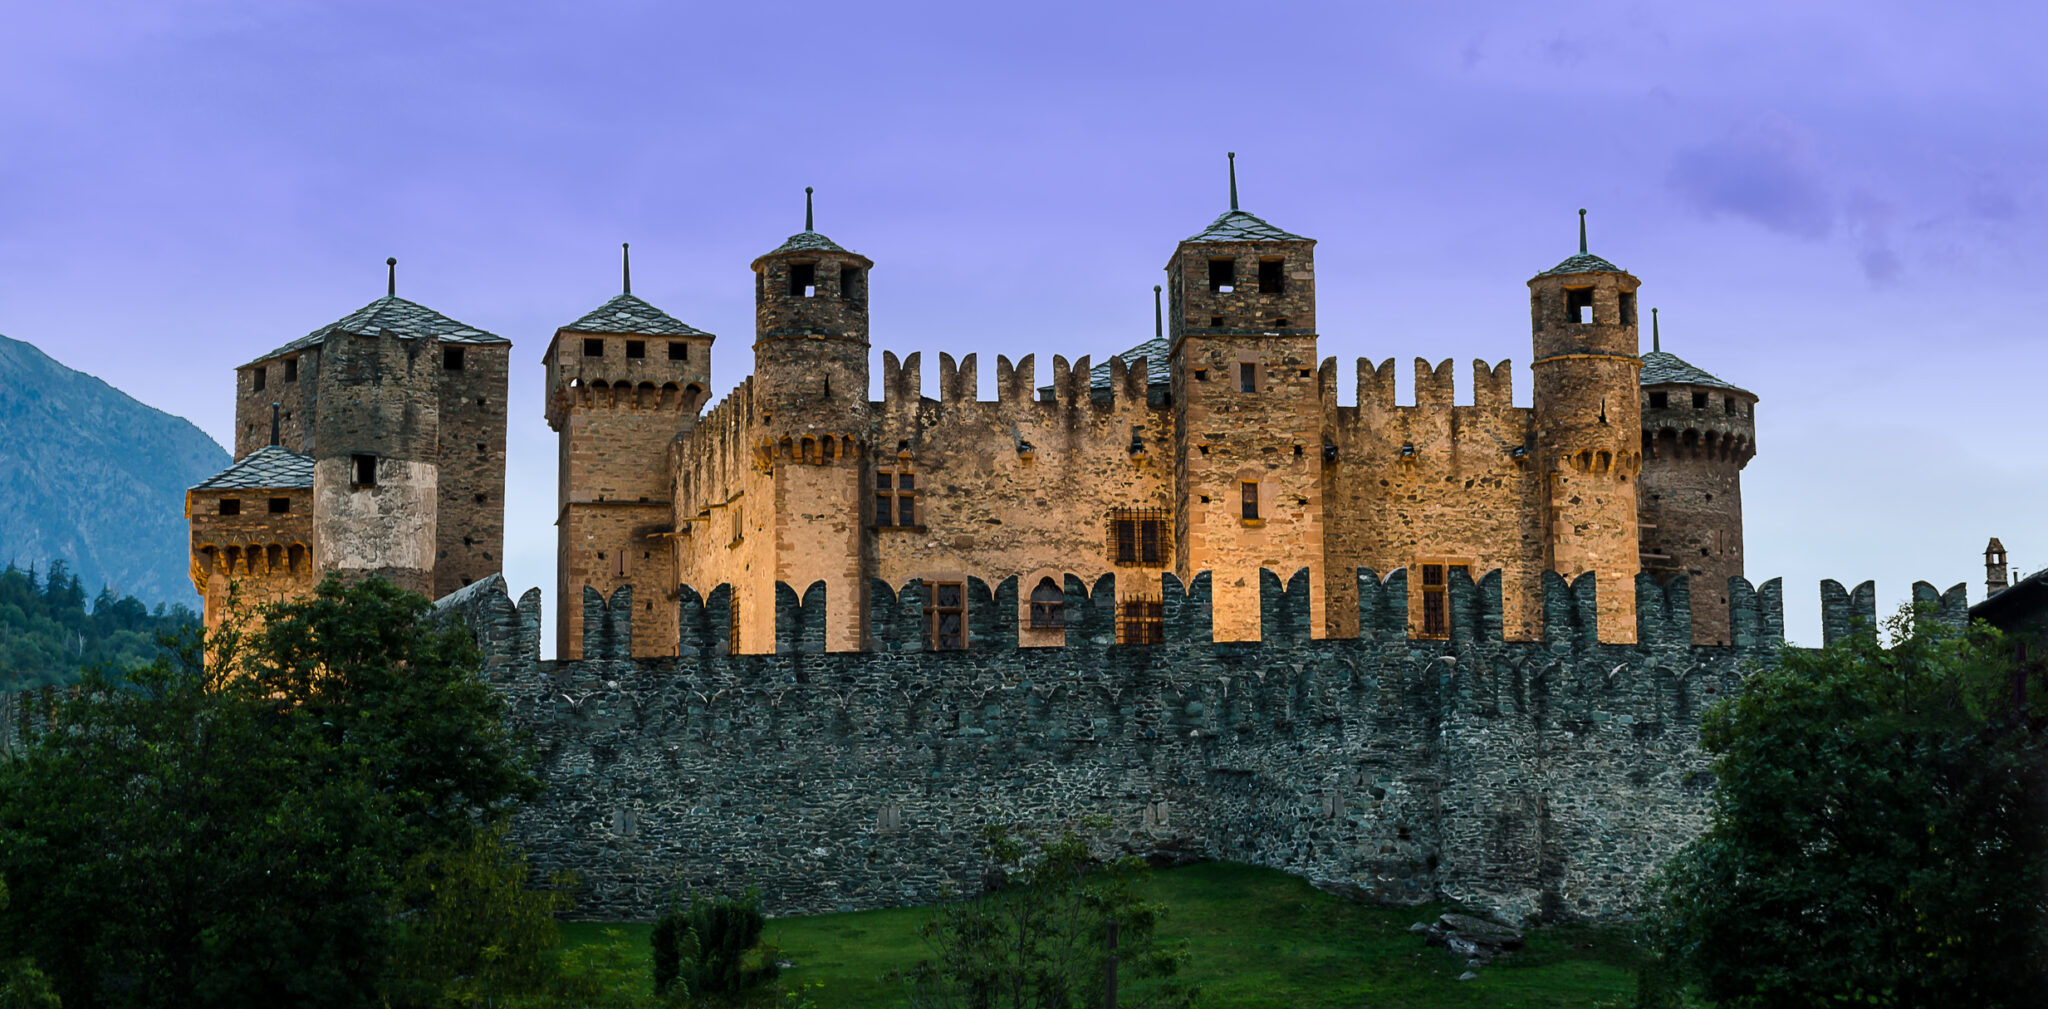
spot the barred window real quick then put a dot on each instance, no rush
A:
(1138, 536)
(1249, 491)
(1048, 606)
(1140, 622)
(896, 496)
(945, 616)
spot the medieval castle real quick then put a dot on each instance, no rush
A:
(812, 642)
(376, 445)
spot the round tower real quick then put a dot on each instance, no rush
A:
(1588, 414)
(1698, 434)
(811, 336)
(810, 436)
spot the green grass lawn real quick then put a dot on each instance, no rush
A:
(1259, 937)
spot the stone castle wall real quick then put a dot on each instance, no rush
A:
(1516, 777)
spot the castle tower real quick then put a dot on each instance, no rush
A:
(1698, 434)
(623, 382)
(377, 445)
(811, 436)
(1995, 574)
(1248, 420)
(1588, 422)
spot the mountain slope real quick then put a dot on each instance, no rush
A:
(92, 477)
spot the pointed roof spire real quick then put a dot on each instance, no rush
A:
(808, 226)
(1158, 319)
(1656, 339)
(1582, 231)
(273, 422)
(1233, 179)
(391, 277)
(626, 266)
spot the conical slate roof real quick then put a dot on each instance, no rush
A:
(1661, 368)
(1584, 262)
(272, 467)
(628, 314)
(809, 241)
(1240, 226)
(402, 318)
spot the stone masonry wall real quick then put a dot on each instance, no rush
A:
(1520, 778)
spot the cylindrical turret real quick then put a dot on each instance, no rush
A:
(1698, 434)
(1588, 417)
(811, 336)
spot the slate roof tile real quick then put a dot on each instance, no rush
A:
(808, 241)
(1584, 262)
(405, 319)
(1239, 226)
(1661, 368)
(272, 467)
(628, 314)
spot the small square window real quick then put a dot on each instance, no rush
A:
(850, 283)
(1222, 276)
(1728, 404)
(365, 467)
(593, 348)
(280, 505)
(1247, 377)
(678, 350)
(291, 369)
(1249, 491)
(256, 377)
(1215, 322)
(1578, 304)
(1201, 374)
(1660, 400)
(803, 280)
(230, 506)
(451, 358)
(636, 349)
(1628, 309)
(1699, 401)
(1272, 276)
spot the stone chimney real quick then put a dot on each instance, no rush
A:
(1994, 568)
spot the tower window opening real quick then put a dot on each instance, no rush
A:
(1578, 304)
(678, 350)
(1272, 276)
(1728, 404)
(1139, 536)
(365, 470)
(1048, 606)
(256, 377)
(451, 359)
(1699, 401)
(1249, 493)
(1140, 622)
(1215, 322)
(280, 505)
(230, 506)
(1201, 374)
(1628, 308)
(1280, 323)
(849, 283)
(593, 348)
(1660, 400)
(1223, 276)
(803, 280)
(636, 349)
(291, 369)
(1247, 377)
(1436, 622)
(945, 616)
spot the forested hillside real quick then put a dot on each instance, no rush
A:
(47, 633)
(93, 478)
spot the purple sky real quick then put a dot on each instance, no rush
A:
(1839, 209)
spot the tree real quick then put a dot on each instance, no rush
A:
(221, 827)
(1878, 833)
(1043, 940)
(702, 952)
(474, 931)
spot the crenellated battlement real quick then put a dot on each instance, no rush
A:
(1518, 777)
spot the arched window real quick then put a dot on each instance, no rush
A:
(1048, 606)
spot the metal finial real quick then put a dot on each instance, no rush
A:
(626, 265)
(1158, 321)
(273, 423)
(807, 210)
(1233, 179)
(1582, 230)
(391, 277)
(1656, 340)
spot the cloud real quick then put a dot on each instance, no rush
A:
(1990, 200)
(1870, 223)
(1764, 173)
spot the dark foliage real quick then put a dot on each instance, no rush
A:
(1879, 832)
(47, 635)
(703, 952)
